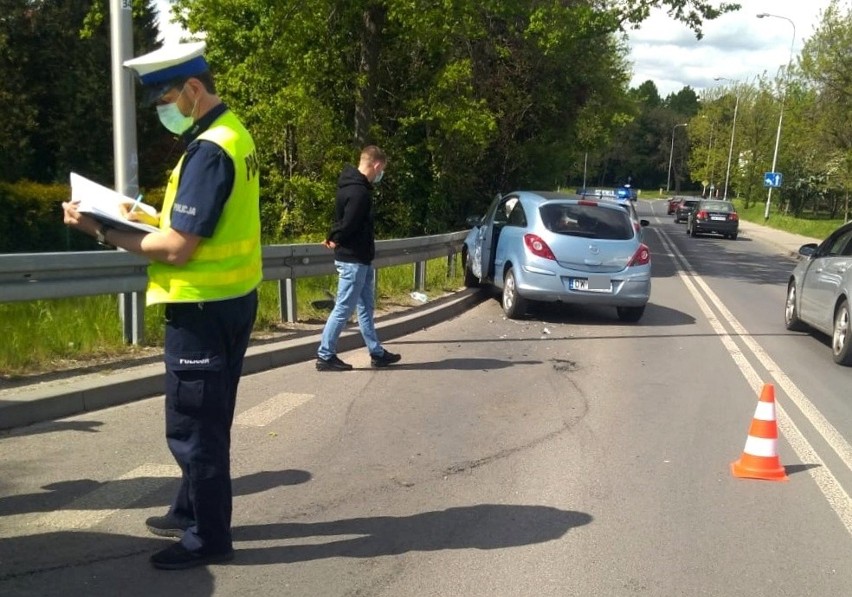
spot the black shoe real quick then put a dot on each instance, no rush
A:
(177, 557)
(332, 364)
(165, 526)
(384, 359)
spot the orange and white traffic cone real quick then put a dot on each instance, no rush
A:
(760, 456)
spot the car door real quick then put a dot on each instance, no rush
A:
(482, 251)
(823, 279)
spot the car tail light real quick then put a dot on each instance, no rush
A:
(734, 217)
(538, 247)
(642, 256)
(701, 215)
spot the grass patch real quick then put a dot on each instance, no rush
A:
(40, 336)
(813, 226)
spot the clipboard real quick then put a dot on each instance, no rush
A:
(104, 204)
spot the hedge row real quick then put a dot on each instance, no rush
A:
(31, 219)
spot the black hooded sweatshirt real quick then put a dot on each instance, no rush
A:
(352, 231)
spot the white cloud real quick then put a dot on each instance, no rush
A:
(736, 46)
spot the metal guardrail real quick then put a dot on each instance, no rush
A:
(38, 276)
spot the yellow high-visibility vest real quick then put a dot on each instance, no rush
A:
(228, 264)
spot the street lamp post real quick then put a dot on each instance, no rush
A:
(731, 147)
(671, 154)
(709, 187)
(781, 111)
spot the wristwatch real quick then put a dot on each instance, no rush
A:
(100, 235)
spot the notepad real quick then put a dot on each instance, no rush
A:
(105, 204)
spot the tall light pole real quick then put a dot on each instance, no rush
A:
(731, 147)
(783, 96)
(671, 154)
(709, 188)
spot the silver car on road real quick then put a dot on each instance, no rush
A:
(545, 246)
(820, 290)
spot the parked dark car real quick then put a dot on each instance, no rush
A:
(713, 216)
(820, 291)
(681, 213)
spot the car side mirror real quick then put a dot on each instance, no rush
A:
(808, 250)
(644, 223)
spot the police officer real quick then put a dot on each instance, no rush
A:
(205, 266)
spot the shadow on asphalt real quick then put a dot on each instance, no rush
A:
(474, 364)
(591, 315)
(57, 495)
(50, 427)
(484, 526)
(65, 563)
(792, 469)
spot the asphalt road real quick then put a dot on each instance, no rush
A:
(565, 454)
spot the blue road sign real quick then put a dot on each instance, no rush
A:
(772, 179)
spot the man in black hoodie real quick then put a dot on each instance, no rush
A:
(353, 240)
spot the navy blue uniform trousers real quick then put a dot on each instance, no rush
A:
(204, 348)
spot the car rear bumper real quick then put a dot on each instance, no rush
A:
(628, 289)
(718, 227)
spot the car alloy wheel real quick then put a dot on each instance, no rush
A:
(513, 304)
(840, 339)
(791, 315)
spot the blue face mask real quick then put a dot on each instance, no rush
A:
(379, 177)
(171, 118)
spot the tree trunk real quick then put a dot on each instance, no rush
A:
(365, 91)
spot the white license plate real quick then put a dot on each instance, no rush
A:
(718, 218)
(591, 284)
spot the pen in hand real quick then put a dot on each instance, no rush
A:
(135, 203)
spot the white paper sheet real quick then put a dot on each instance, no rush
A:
(103, 204)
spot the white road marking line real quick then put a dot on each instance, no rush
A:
(833, 437)
(263, 414)
(828, 484)
(88, 510)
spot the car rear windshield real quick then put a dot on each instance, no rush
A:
(690, 202)
(587, 219)
(723, 206)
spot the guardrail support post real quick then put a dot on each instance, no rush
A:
(420, 276)
(287, 299)
(451, 265)
(131, 309)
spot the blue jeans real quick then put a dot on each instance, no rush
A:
(355, 288)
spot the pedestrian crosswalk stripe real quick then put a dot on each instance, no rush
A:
(88, 510)
(263, 414)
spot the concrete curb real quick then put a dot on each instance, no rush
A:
(48, 401)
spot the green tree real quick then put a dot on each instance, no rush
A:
(56, 89)
(468, 98)
(19, 116)
(826, 64)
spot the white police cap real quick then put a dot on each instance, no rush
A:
(160, 70)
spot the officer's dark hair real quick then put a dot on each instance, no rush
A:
(206, 79)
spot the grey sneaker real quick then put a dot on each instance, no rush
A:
(165, 526)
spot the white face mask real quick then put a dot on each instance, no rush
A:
(378, 177)
(171, 118)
